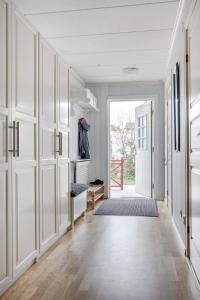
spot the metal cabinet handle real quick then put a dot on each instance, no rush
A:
(17, 150)
(59, 143)
(13, 127)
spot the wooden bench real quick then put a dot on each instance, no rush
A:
(95, 193)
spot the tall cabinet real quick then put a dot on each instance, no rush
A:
(5, 157)
(47, 133)
(62, 134)
(24, 127)
(34, 158)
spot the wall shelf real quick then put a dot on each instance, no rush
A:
(85, 99)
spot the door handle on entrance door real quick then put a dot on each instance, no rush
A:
(13, 127)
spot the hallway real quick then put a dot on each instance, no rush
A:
(111, 258)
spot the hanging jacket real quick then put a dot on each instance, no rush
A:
(84, 148)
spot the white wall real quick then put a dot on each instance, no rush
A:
(76, 112)
(99, 126)
(177, 54)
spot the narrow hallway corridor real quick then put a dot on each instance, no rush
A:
(111, 258)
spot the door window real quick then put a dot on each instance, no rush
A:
(142, 132)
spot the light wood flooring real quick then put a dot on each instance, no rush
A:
(111, 258)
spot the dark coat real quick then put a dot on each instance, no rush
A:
(84, 148)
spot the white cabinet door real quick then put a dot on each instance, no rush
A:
(47, 146)
(194, 82)
(62, 145)
(25, 160)
(144, 143)
(5, 160)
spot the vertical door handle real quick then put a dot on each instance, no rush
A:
(59, 143)
(13, 127)
(17, 150)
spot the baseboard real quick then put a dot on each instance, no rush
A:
(196, 279)
(197, 282)
(181, 243)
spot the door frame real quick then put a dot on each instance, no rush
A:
(188, 202)
(132, 99)
(168, 86)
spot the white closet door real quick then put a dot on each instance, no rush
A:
(48, 192)
(62, 146)
(25, 162)
(5, 159)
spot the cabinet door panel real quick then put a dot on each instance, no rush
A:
(27, 133)
(63, 95)
(25, 213)
(48, 143)
(48, 202)
(65, 144)
(25, 164)
(63, 159)
(25, 68)
(3, 71)
(63, 194)
(3, 225)
(48, 84)
(3, 138)
(48, 172)
(5, 159)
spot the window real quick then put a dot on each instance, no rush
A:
(142, 132)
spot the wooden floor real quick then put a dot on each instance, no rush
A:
(111, 258)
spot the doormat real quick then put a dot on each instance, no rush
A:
(128, 207)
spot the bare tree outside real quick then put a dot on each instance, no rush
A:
(123, 143)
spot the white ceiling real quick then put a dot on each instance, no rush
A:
(98, 38)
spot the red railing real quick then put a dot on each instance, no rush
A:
(117, 168)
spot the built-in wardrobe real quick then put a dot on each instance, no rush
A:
(34, 156)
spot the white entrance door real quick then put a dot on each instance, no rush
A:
(143, 149)
(194, 83)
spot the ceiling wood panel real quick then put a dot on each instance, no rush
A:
(46, 6)
(131, 41)
(98, 38)
(123, 19)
